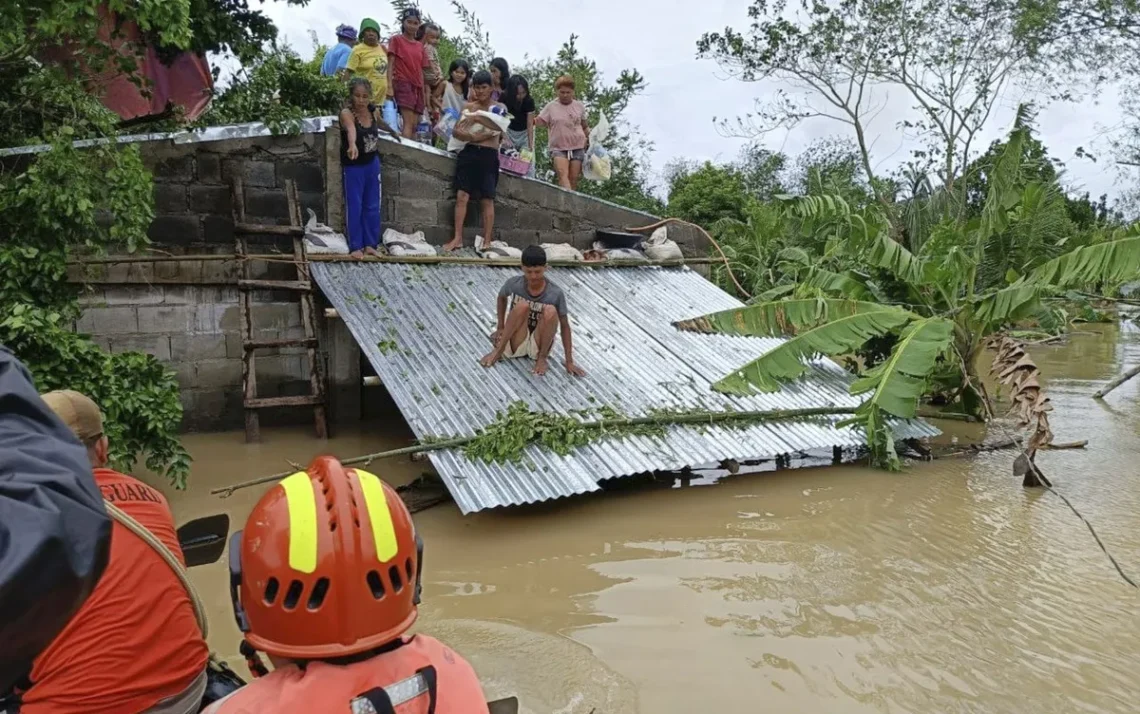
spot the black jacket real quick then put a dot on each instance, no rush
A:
(55, 535)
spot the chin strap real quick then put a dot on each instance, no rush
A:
(253, 660)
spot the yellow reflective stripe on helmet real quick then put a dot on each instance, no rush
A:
(302, 504)
(383, 529)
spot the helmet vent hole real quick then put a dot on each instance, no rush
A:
(394, 576)
(317, 596)
(375, 585)
(408, 569)
(293, 595)
(271, 589)
(332, 524)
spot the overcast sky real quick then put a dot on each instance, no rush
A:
(659, 38)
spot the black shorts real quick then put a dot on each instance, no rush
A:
(477, 171)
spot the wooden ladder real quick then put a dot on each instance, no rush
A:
(302, 285)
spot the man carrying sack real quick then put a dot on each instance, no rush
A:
(136, 644)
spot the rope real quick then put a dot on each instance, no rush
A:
(159, 547)
(727, 266)
(1092, 530)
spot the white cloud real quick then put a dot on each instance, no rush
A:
(659, 39)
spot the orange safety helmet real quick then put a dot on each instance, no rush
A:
(328, 565)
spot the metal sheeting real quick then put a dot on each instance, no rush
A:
(424, 328)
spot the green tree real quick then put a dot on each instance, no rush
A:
(952, 59)
(708, 193)
(962, 288)
(278, 88)
(88, 199)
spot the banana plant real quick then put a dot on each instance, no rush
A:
(948, 308)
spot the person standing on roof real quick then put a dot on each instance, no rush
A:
(135, 645)
(337, 56)
(360, 126)
(531, 309)
(55, 534)
(325, 579)
(406, 71)
(477, 165)
(369, 60)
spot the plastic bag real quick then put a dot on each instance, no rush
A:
(391, 115)
(447, 120)
(597, 166)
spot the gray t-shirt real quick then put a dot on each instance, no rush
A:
(551, 294)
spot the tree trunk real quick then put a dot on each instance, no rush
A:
(1117, 382)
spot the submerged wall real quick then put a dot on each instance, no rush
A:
(185, 311)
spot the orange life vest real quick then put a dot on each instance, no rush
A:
(420, 677)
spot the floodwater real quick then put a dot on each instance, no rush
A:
(946, 588)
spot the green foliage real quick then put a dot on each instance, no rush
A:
(280, 89)
(708, 194)
(923, 316)
(506, 438)
(231, 27)
(90, 199)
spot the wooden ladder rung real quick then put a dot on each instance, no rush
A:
(288, 342)
(264, 229)
(298, 285)
(270, 402)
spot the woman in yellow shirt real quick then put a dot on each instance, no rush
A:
(369, 59)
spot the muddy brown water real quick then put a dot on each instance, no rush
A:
(945, 588)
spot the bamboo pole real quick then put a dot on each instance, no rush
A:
(664, 420)
(1103, 392)
(398, 259)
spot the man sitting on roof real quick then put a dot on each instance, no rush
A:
(530, 311)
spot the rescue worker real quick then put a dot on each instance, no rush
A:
(55, 535)
(134, 645)
(325, 579)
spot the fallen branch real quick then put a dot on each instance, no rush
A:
(950, 416)
(600, 424)
(972, 449)
(1103, 392)
(1066, 445)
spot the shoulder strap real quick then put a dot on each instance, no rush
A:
(159, 547)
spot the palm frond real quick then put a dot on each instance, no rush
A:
(795, 254)
(776, 318)
(884, 252)
(831, 283)
(1115, 261)
(774, 293)
(1008, 304)
(1004, 181)
(785, 362)
(899, 382)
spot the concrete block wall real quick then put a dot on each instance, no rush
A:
(185, 312)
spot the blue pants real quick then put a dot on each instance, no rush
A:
(362, 205)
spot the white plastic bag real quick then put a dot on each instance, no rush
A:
(659, 247)
(597, 166)
(447, 121)
(561, 251)
(397, 243)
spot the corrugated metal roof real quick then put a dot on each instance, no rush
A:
(433, 324)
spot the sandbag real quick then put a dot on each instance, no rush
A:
(659, 247)
(495, 249)
(320, 239)
(561, 251)
(397, 243)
